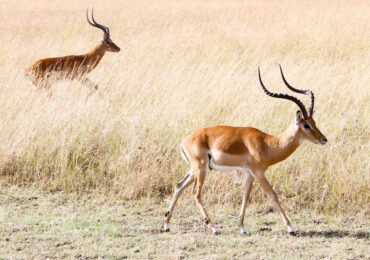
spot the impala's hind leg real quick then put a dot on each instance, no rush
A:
(38, 82)
(180, 187)
(201, 172)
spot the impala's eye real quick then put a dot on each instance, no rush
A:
(306, 126)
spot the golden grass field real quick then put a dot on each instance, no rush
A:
(184, 65)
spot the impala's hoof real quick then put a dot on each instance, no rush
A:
(166, 228)
(243, 230)
(292, 231)
(215, 231)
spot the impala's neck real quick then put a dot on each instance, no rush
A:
(282, 146)
(95, 55)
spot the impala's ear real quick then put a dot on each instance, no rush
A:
(298, 117)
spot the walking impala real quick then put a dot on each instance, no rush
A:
(72, 67)
(225, 148)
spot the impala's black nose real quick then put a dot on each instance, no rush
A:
(324, 140)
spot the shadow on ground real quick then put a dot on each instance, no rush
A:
(335, 233)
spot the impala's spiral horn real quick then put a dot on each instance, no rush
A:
(104, 28)
(284, 96)
(300, 91)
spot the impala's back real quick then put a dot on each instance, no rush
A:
(68, 67)
(226, 147)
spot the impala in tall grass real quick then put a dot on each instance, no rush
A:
(73, 67)
(225, 148)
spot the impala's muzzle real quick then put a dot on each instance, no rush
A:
(116, 48)
(323, 141)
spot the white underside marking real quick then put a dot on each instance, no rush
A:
(223, 168)
(218, 157)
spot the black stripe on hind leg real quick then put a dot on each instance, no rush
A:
(181, 183)
(209, 162)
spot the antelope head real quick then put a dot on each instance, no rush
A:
(107, 42)
(304, 120)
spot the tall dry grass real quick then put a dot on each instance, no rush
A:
(186, 65)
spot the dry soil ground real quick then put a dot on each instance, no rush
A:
(59, 225)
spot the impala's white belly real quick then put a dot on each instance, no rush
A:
(223, 168)
(221, 161)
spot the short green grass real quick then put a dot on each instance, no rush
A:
(92, 226)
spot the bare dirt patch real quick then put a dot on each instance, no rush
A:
(105, 227)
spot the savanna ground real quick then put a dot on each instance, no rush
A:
(91, 177)
(92, 226)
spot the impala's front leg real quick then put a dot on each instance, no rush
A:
(271, 193)
(247, 191)
(86, 81)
